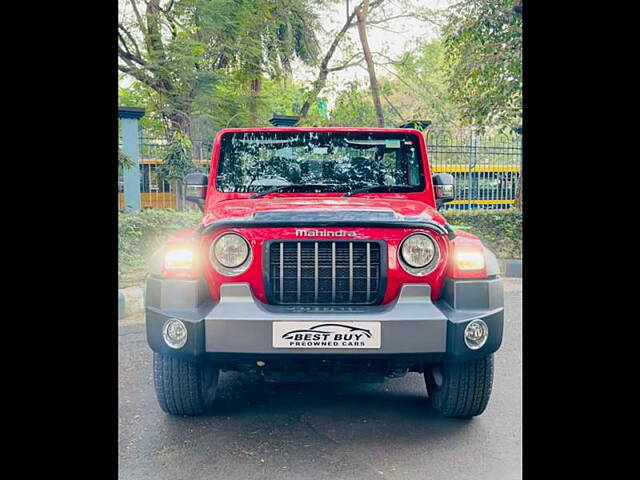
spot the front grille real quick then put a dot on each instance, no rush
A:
(325, 272)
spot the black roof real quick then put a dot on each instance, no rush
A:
(284, 120)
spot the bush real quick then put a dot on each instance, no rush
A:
(140, 234)
(499, 230)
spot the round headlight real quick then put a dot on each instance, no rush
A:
(230, 251)
(418, 250)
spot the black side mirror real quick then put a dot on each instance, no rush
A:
(196, 188)
(443, 188)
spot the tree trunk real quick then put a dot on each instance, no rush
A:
(518, 201)
(321, 81)
(361, 14)
(256, 87)
(178, 112)
(178, 192)
(180, 122)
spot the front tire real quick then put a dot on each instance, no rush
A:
(460, 390)
(182, 387)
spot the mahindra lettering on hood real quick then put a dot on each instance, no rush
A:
(322, 252)
(301, 232)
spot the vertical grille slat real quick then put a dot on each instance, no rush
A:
(282, 272)
(350, 272)
(316, 276)
(325, 272)
(333, 272)
(299, 275)
(368, 271)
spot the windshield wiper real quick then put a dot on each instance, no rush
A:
(379, 188)
(280, 188)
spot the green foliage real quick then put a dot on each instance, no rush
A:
(176, 162)
(184, 51)
(483, 44)
(140, 234)
(499, 230)
(354, 107)
(421, 90)
(139, 95)
(124, 161)
(230, 104)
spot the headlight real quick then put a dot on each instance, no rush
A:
(418, 254)
(230, 254)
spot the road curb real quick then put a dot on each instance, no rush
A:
(131, 299)
(514, 268)
(511, 268)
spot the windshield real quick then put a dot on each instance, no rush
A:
(322, 161)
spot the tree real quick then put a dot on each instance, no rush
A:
(361, 14)
(139, 95)
(182, 49)
(323, 72)
(419, 86)
(124, 162)
(483, 44)
(176, 163)
(353, 107)
(377, 14)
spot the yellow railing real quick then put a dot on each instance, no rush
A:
(481, 202)
(168, 199)
(157, 161)
(152, 200)
(478, 169)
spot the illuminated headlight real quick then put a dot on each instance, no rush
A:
(476, 334)
(469, 259)
(230, 254)
(174, 333)
(418, 254)
(178, 259)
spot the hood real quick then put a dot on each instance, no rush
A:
(399, 207)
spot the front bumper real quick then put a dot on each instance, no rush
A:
(238, 328)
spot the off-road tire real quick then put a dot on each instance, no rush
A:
(460, 390)
(182, 387)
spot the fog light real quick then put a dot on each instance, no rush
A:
(476, 334)
(174, 333)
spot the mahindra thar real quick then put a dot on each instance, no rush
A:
(322, 255)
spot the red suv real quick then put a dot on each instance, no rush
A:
(321, 255)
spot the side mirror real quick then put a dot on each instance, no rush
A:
(196, 188)
(443, 188)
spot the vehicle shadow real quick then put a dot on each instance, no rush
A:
(340, 412)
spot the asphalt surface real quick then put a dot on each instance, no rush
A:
(313, 431)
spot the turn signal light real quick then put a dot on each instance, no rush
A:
(179, 262)
(467, 261)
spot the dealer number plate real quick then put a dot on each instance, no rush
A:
(326, 335)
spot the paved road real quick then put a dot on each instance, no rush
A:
(315, 431)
